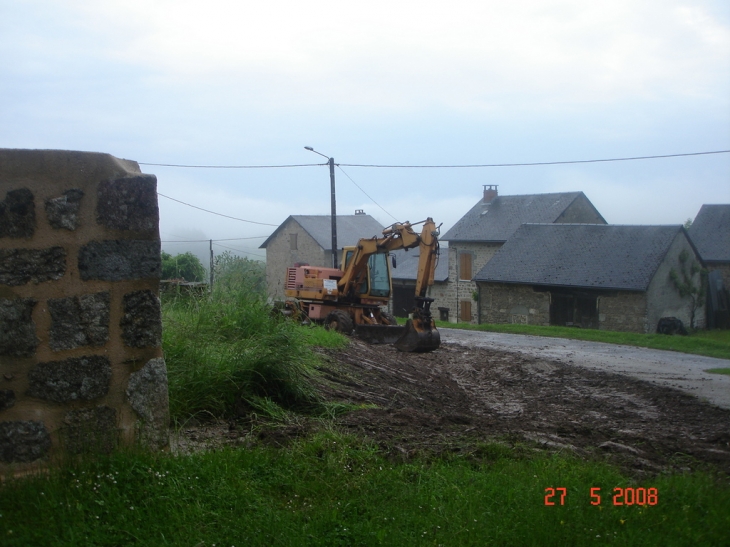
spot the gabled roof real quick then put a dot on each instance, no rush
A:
(407, 265)
(710, 232)
(596, 256)
(498, 220)
(350, 229)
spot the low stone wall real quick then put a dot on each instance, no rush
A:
(623, 311)
(505, 303)
(81, 366)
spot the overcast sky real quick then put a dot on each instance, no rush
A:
(407, 83)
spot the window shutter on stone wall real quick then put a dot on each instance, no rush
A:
(465, 266)
(465, 310)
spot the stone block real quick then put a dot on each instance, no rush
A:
(120, 260)
(23, 441)
(7, 398)
(77, 378)
(90, 430)
(79, 321)
(147, 394)
(17, 214)
(63, 211)
(141, 323)
(19, 266)
(129, 203)
(17, 329)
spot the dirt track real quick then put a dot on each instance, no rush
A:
(667, 368)
(458, 396)
(454, 397)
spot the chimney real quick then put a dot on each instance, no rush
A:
(490, 192)
(359, 212)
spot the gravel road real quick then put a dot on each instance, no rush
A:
(667, 368)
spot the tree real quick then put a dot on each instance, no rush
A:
(687, 223)
(684, 282)
(233, 271)
(185, 266)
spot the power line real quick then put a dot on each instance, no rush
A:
(364, 192)
(214, 213)
(456, 166)
(207, 240)
(232, 166)
(537, 162)
(238, 250)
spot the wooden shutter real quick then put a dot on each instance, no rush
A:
(465, 310)
(465, 266)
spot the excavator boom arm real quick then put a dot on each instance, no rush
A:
(397, 236)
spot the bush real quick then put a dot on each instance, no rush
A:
(235, 272)
(185, 266)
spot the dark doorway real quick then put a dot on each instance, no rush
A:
(404, 300)
(573, 310)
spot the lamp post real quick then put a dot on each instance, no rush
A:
(331, 162)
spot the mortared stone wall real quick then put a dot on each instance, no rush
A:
(81, 366)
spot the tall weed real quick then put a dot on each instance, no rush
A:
(226, 352)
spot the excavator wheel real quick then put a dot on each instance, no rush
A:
(339, 321)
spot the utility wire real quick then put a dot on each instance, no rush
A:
(437, 166)
(207, 240)
(364, 192)
(238, 250)
(233, 166)
(537, 162)
(214, 213)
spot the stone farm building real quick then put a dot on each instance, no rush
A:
(482, 231)
(710, 232)
(307, 239)
(592, 276)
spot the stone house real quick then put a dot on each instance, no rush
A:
(307, 239)
(591, 276)
(710, 232)
(404, 275)
(481, 232)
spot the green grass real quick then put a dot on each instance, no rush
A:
(714, 343)
(718, 370)
(226, 353)
(335, 490)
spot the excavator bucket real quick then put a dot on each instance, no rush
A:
(379, 334)
(420, 336)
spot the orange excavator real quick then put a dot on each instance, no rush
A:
(350, 298)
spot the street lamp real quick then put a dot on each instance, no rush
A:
(331, 162)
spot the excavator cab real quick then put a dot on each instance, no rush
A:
(376, 282)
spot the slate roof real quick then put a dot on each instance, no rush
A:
(407, 265)
(350, 229)
(498, 220)
(710, 232)
(595, 256)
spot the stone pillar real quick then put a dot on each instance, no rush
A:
(81, 366)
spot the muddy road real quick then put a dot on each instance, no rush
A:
(537, 393)
(667, 368)
(458, 396)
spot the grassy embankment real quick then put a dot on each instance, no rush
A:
(335, 490)
(712, 343)
(229, 353)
